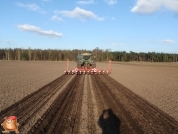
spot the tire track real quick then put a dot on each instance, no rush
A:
(147, 118)
(59, 118)
(94, 114)
(88, 104)
(108, 107)
(33, 104)
(88, 119)
(91, 107)
(84, 109)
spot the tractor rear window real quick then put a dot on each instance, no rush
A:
(86, 57)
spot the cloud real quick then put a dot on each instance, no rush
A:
(32, 7)
(151, 6)
(79, 13)
(146, 6)
(85, 2)
(34, 29)
(171, 5)
(111, 2)
(167, 41)
(56, 18)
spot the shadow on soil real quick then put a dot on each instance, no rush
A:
(109, 122)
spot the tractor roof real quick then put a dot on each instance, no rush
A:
(86, 54)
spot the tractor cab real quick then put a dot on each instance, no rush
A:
(86, 56)
(86, 64)
(85, 60)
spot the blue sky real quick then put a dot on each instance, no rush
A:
(119, 25)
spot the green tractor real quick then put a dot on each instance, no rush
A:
(85, 60)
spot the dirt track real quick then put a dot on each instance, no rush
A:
(88, 104)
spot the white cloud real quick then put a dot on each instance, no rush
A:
(151, 6)
(56, 18)
(34, 29)
(146, 6)
(79, 13)
(167, 41)
(171, 5)
(32, 7)
(111, 2)
(85, 2)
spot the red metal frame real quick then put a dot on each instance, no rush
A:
(87, 70)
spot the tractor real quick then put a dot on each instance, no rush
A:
(85, 60)
(86, 65)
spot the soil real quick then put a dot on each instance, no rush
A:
(86, 103)
(155, 82)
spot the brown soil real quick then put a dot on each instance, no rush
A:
(155, 82)
(21, 78)
(109, 108)
(89, 103)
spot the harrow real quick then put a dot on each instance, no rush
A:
(87, 70)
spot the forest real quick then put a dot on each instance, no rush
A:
(98, 54)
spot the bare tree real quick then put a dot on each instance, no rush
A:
(29, 53)
(34, 54)
(7, 54)
(49, 57)
(18, 53)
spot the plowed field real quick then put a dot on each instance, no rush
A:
(87, 104)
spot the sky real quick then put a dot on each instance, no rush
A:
(118, 25)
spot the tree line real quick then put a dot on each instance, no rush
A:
(99, 55)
